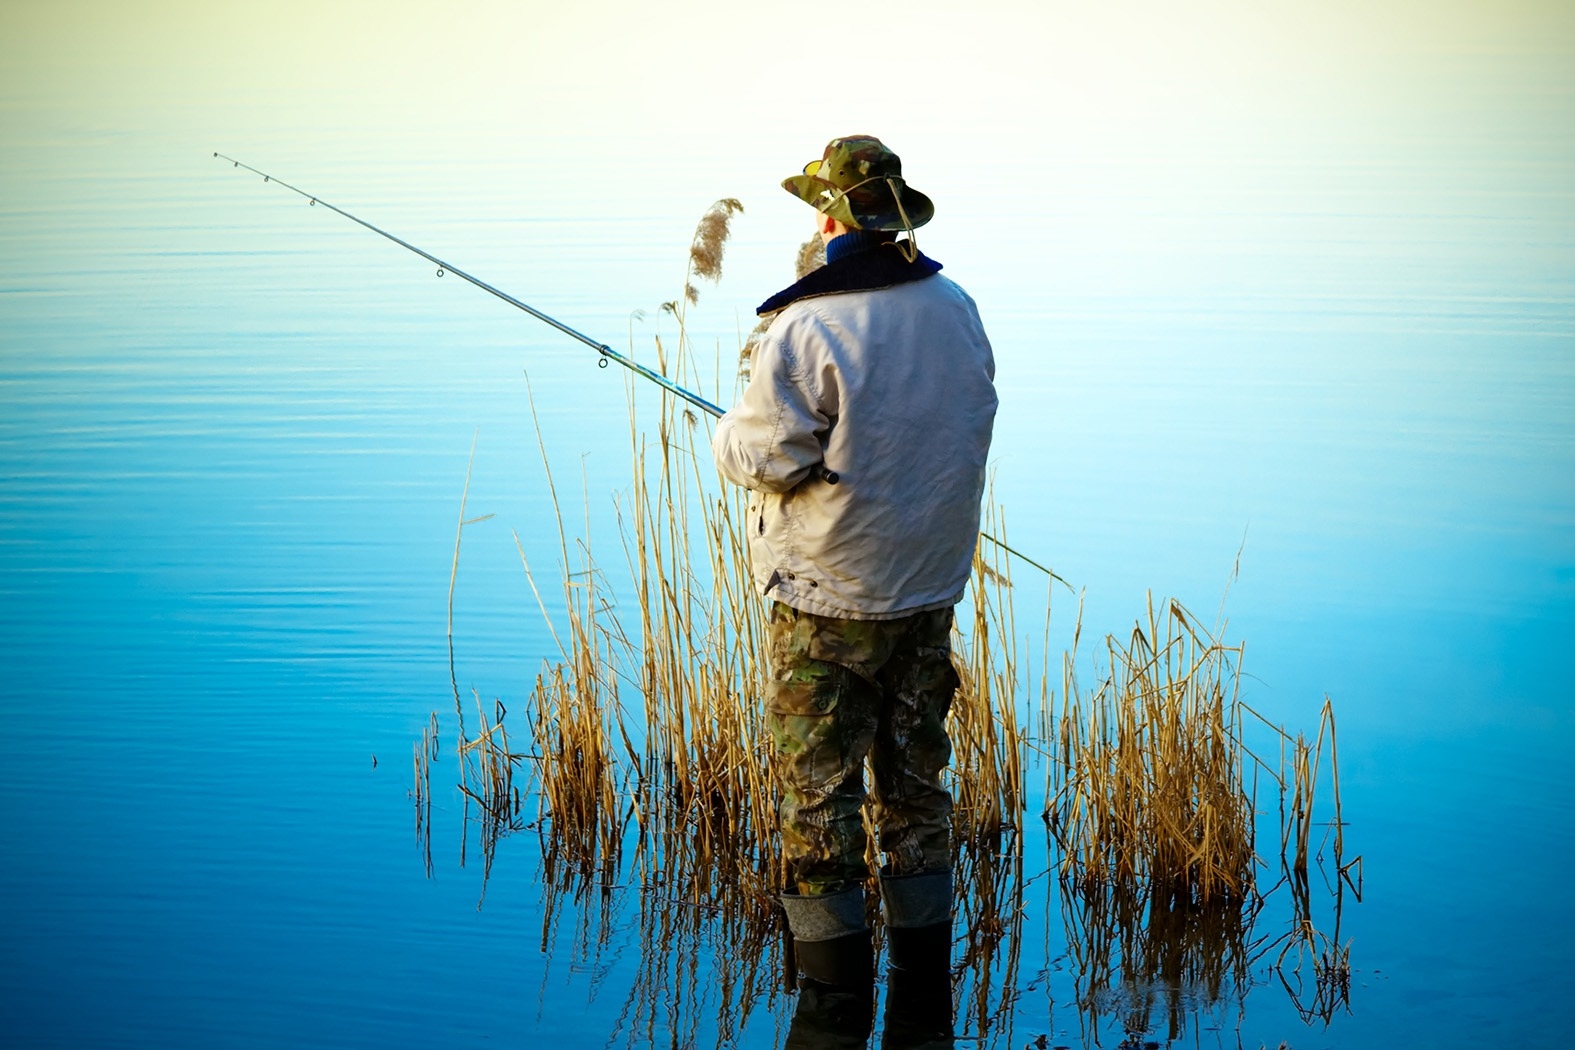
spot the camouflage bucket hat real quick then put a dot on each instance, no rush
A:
(858, 182)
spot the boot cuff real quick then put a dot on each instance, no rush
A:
(825, 917)
(917, 900)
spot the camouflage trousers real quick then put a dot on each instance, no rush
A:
(843, 692)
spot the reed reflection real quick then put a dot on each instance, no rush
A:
(1149, 958)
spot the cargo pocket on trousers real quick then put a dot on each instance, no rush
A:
(801, 714)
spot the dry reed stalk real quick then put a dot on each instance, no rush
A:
(425, 752)
(989, 746)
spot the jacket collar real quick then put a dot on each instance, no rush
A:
(879, 267)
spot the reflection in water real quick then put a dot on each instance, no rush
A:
(426, 751)
(698, 964)
(1150, 955)
(918, 1013)
(1305, 943)
(990, 907)
(1153, 960)
(833, 1017)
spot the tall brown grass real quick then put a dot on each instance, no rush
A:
(1148, 778)
(1152, 807)
(1149, 782)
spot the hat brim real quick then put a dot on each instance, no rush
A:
(823, 197)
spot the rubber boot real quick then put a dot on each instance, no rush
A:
(835, 1016)
(843, 962)
(835, 959)
(918, 1013)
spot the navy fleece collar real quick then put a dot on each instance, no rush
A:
(844, 245)
(881, 265)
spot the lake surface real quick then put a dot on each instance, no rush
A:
(1333, 331)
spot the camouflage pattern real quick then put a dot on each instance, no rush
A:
(857, 182)
(843, 691)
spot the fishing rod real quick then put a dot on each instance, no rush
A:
(607, 353)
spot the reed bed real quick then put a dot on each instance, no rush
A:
(707, 795)
(575, 772)
(1152, 809)
(576, 715)
(1148, 780)
(1149, 785)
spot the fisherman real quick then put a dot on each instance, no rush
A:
(863, 435)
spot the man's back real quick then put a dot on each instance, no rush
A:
(892, 389)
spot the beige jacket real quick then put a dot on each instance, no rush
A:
(893, 389)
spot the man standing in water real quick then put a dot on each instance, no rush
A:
(863, 435)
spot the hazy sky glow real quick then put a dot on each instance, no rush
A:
(1087, 82)
(1105, 128)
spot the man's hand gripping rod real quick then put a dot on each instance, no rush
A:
(607, 353)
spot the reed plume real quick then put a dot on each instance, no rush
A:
(811, 256)
(709, 244)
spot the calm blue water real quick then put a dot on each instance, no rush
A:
(234, 434)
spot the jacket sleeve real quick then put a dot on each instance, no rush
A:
(772, 438)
